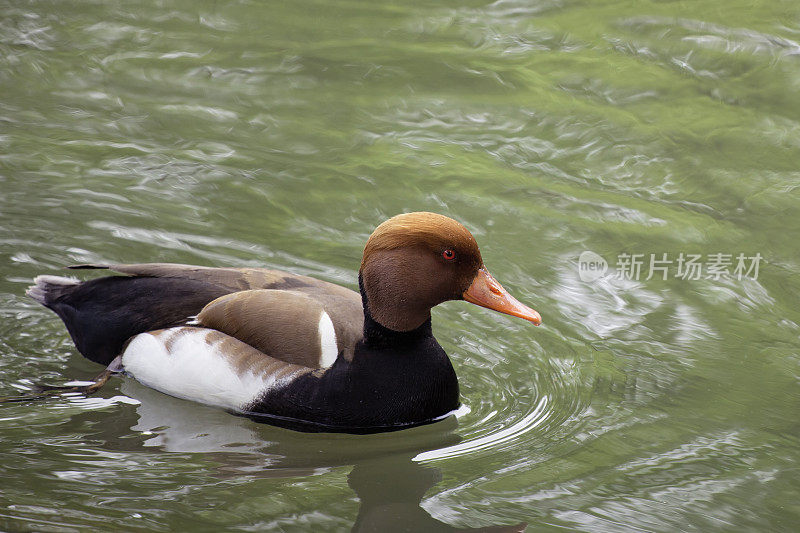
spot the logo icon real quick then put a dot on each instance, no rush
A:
(591, 266)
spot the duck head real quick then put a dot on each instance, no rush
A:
(415, 261)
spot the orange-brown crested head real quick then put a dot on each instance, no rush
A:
(430, 231)
(415, 261)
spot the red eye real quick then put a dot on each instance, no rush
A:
(449, 255)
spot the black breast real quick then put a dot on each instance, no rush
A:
(386, 387)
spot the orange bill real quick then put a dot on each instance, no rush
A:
(487, 292)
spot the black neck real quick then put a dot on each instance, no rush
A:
(376, 334)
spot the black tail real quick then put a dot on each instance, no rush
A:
(102, 314)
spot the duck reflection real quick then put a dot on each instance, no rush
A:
(179, 426)
(391, 491)
(388, 483)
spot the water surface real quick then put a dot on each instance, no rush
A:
(279, 134)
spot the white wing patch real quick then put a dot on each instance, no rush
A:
(183, 363)
(328, 350)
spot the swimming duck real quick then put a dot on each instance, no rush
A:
(287, 349)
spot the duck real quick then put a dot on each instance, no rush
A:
(288, 349)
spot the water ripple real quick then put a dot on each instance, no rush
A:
(494, 441)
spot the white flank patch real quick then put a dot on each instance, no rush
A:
(327, 341)
(192, 369)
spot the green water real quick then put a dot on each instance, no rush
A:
(280, 134)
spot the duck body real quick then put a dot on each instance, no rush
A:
(287, 349)
(410, 380)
